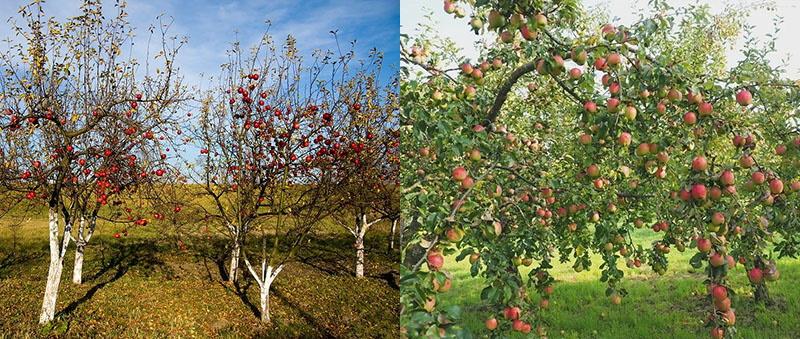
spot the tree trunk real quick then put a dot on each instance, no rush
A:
(359, 255)
(392, 235)
(235, 253)
(56, 268)
(762, 294)
(80, 245)
(269, 277)
(265, 303)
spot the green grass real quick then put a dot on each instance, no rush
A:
(668, 306)
(143, 285)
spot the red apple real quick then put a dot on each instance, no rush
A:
(511, 313)
(699, 163)
(776, 186)
(491, 324)
(744, 97)
(703, 245)
(755, 275)
(699, 192)
(459, 173)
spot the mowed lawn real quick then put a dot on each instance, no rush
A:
(144, 285)
(668, 306)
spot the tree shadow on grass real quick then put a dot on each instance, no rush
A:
(12, 260)
(141, 255)
(241, 292)
(308, 317)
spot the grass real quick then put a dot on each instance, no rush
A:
(668, 306)
(143, 285)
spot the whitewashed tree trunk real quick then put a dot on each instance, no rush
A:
(80, 245)
(359, 255)
(56, 267)
(235, 253)
(264, 281)
(362, 226)
(392, 234)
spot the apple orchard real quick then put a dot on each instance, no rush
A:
(274, 147)
(567, 134)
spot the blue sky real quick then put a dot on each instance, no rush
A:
(212, 25)
(413, 12)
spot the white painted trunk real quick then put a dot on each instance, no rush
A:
(265, 303)
(392, 234)
(235, 253)
(54, 272)
(80, 246)
(77, 270)
(359, 255)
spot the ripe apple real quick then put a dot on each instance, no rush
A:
(699, 163)
(661, 107)
(729, 317)
(575, 73)
(454, 235)
(435, 261)
(717, 333)
(738, 141)
(600, 63)
(528, 33)
(780, 149)
(624, 139)
(449, 7)
(613, 59)
(758, 177)
(723, 305)
(718, 218)
(517, 325)
(755, 275)
(491, 324)
(507, 37)
(703, 245)
(459, 173)
(699, 192)
(726, 178)
(466, 68)
(612, 104)
(467, 183)
(585, 139)
(593, 171)
(689, 118)
(590, 106)
(673, 95)
(746, 161)
(705, 108)
(716, 260)
(511, 313)
(719, 292)
(614, 88)
(744, 97)
(776, 186)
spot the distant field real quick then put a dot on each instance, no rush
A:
(143, 285)
(668, 306)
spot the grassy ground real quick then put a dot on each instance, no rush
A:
(669, 306)
(144, 286)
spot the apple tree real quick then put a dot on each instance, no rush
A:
(568, 134)
(69, 94)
